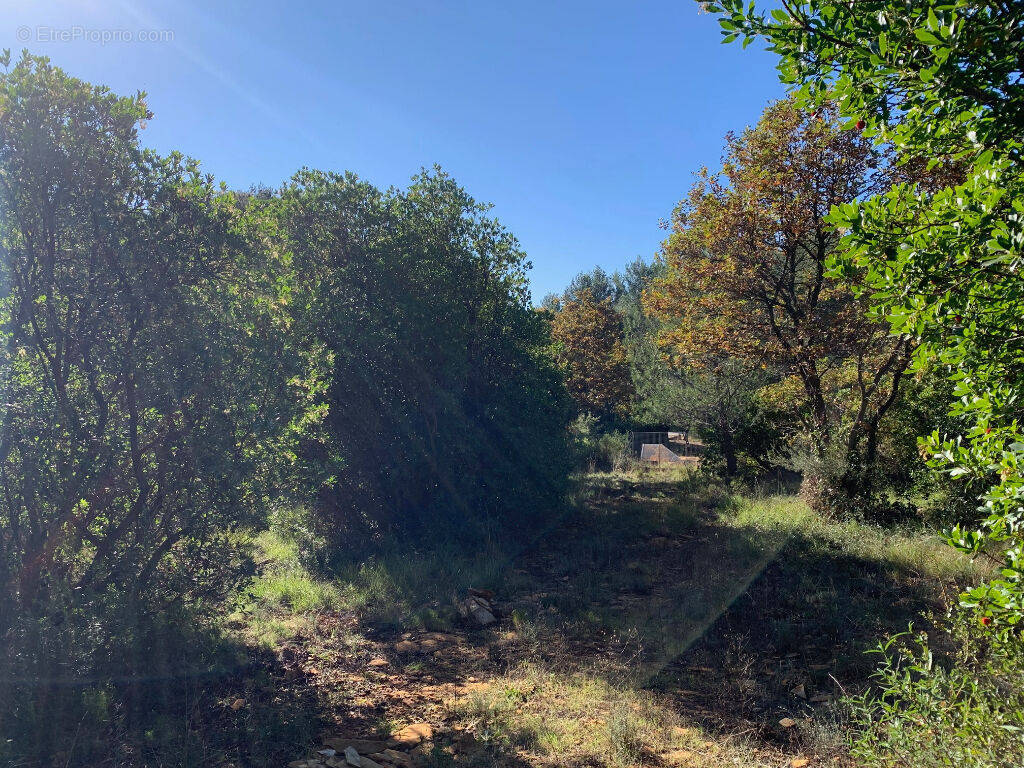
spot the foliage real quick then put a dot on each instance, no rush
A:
(657, 387)
(941, 83)
(145, 405)
(747, 278)
(596, 448)
(587, 337)
(421, 303)
(137, 425)
(931, 710)
(725, 406)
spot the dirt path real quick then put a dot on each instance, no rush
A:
(707, 631)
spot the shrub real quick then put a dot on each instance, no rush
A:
(961, 708)
(445, 413)
(597, 449)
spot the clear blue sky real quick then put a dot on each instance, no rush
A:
(583, 122)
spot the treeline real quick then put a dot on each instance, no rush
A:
(180, 361)
(742, 331)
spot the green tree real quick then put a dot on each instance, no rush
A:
(421, 302)
(142, 405)
(942, 83)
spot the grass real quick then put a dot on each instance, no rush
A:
(665, 620)
(582, 718)
(686, 617)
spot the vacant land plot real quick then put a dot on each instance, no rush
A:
(660, 622)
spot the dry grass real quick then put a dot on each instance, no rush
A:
(581, 718)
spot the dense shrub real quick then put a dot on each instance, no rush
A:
(445, 414)
(141, 397)
(597, 448)
(964, 707)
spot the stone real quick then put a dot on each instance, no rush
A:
(442, 637)
(477, 609)
(406, 646)
(362, 746)
(394, 757)
(412, 735)
(367, 762)
(486, 594)
(352, 757)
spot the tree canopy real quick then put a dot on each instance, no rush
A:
(940, 83)
(747, 278)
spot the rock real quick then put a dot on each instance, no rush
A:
(412, 735)
(800, 691)
(335, 762)
(406, 646)
(367, 762)
(378, 662)
(352, 757)
(442, 637)
(486, 594)
(394, 757)
(362, 746)
(477, 609)
(327, 752)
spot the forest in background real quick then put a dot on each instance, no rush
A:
(184, 366)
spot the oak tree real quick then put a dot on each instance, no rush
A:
(748, 279)
(588, 341)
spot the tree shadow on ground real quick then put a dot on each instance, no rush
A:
(739, 623)
(187, 696)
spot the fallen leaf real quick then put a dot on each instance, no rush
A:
(799, 762)
(800, 691)
(787, 722)
(237, 704)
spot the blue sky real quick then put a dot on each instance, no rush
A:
(582, 123)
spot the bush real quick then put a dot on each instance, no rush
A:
(597, 449)
(143, 418)
(446, 415)
(963, 708)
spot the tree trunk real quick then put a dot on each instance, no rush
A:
(728, 451)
